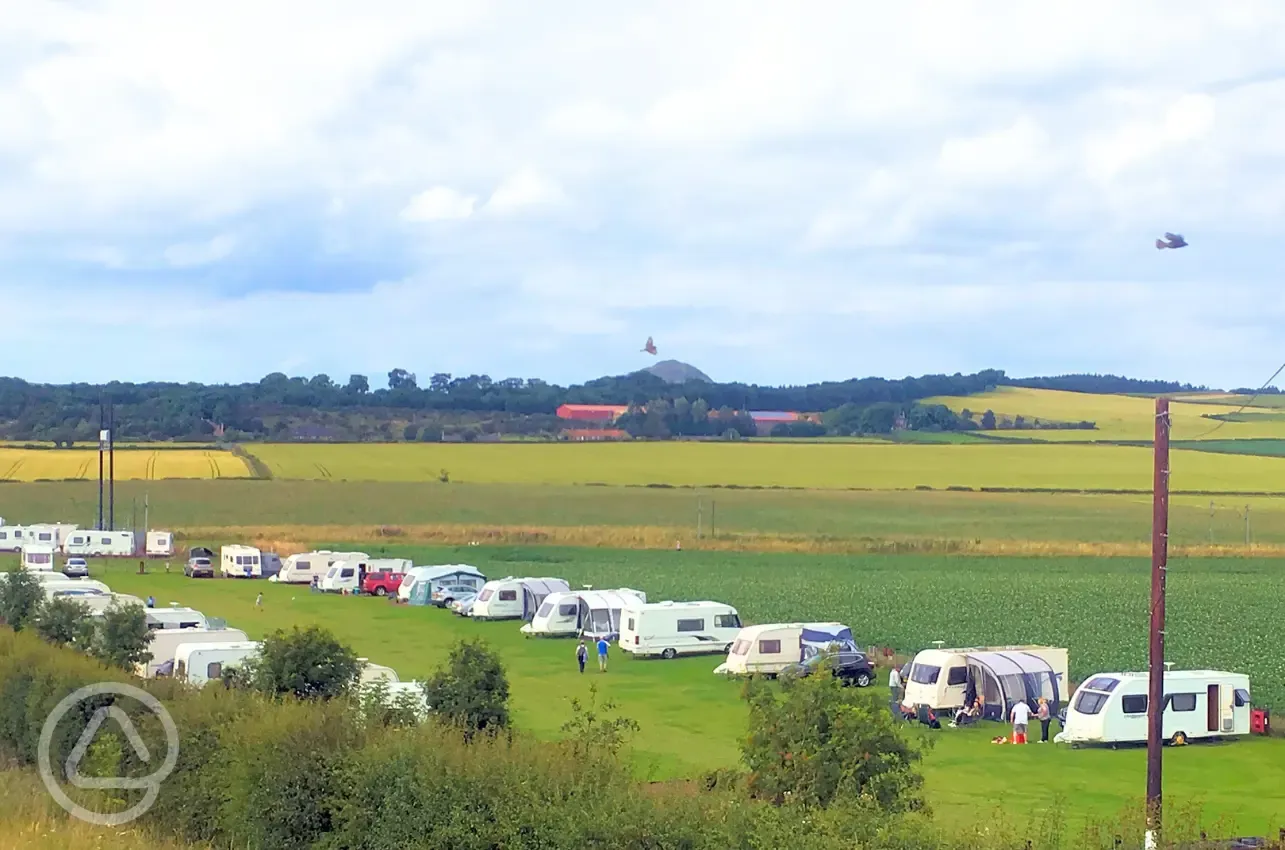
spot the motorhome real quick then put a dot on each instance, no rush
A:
(102, 544)
(160, 544)
(175, 617)
(201, 663)
(587, 613)
(165, 642)
(949, 679)
(1111, 708)
(304, 567)
(11, 538)
(669, 629)
(439, 585)
(240, 562)
(346, 576)
(514, 598)
(38, 556)
(772, 648)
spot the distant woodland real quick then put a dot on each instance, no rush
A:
(280, 407)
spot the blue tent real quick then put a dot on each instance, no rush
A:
(1001, 679)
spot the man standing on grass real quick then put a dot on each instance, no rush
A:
(602, 654)
(1021, 716)
(894, 681)
(582, 654)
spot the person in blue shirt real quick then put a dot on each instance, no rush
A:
(602, 654)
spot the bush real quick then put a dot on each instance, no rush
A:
(122, 637)
(20, 599)
(305, 663)
(65, 622)
(471, 691)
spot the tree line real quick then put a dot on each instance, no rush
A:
(465, 407)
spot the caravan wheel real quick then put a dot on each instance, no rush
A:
(668, 654)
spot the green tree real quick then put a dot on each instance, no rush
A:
(472, 689)
(306, 663)
(20, 599)
(988, 420)
(122, 636)
(812, 740)
(357, 385)
(410, 432)
(592, 729)
(65, 622)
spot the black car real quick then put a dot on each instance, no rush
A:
(849, 665)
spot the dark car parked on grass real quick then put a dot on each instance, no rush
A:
(850, 665)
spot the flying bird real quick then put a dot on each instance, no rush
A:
(1172, 240)
(650, 347)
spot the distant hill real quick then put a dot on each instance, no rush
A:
(677, 372)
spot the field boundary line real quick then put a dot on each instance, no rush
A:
(257, 468)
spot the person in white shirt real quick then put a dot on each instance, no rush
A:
(894, 681)
(1021, 716)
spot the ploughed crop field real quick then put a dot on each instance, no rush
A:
(19, 464)
(885, 466)
(1222, 614)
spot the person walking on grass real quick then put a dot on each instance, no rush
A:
(894, 681)
(582, 654)
(1020, 716)
(602, 654)
(258, 601)
(1042, 714)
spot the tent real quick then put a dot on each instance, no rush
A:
(600, 611)
(533, 592)
(820, 637)
(1001, 679)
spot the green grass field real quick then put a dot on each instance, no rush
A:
(691, 719)
(816, 466)
(833, 515)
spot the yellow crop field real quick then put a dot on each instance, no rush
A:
(61, 464)
(821, 466)
(1118, 417)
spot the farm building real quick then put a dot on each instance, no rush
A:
(766, 420)
(592, 412)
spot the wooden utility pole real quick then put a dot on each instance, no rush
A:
(1159, 557)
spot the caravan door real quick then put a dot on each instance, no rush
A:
(1219, 706)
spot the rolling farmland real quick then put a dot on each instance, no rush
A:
(18, 464)
(879, 466)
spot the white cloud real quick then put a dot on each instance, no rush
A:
(834, 184)
(439, 203)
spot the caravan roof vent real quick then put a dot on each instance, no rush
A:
(939, 643)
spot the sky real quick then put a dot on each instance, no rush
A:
(776, 193)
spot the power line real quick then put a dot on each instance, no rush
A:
(1256, 394)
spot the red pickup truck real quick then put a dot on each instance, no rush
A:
(382, 583)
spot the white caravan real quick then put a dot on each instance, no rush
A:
(240, 562)
(38, 556)
(53, 534)
(109, 544)
(160, 544)
(11, 538)
(175, 617)
(201, 663)
(346, 576)
(772, 648)
(305, 566)
(945, 679)
(1111, 708)
(588, 613)
(99, 603)
(514, 598)
(668, 629)
(442, 584)
(74, 587)
(165, 642)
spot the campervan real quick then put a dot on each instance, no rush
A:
(200, 663)
(175, 617)
(1111, 708)
(160, 544)
(514, 598)
(111, 544)
(304, 567)
(773, 648)
(439, 585)
(165, 642)
(947, 679)
(38, 556)
(669, 629)
(240, 562)
(587, 613)
(11, 538)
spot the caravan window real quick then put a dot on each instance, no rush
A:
(39, 558)
(568, 610)
(302, 565)
(924, 674)
(107, 541)
(1102, 683)
(347, 573)
(1089, 702)
(740, 647)
(485, 595)
(1134, 703)
(1242, 697)
(214, 670)
(508, 595)
(725, 621)
(1182, 702)
(957, 676)
(630, 625)
(770, 647)
(46, 536)
(697, 626)
(544, 609)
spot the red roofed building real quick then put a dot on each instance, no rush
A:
(591, 412)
